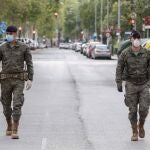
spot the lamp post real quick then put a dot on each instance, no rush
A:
(20, 30)
(95, 18)
(118, 30)
(58, 38)
(108, 7)
(101, 21)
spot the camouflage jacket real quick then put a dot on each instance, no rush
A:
(135, 68)
(14, 59)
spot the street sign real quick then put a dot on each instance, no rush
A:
(147, 27)
(118, 33)
(3, 27)
(147, 21)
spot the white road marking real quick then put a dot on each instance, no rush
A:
(44, 144)
(44, 140)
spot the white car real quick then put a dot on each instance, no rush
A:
(33, 44)
(100, 50)
(78, 47)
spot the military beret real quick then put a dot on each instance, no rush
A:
(11, 29)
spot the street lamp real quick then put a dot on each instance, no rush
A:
(108, 7)
(101, 21)
(58, 37)
(95, 17)
(118, 30)
(56, 14)
(19, 34)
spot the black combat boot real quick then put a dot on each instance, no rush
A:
(9, 126)
(135, 132)
(141, 130)
(15, 130)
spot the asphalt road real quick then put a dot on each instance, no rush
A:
(73, 105)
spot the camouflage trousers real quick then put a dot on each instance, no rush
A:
(12, 97)
(137, 98)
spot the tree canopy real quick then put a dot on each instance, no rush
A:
(73, 16)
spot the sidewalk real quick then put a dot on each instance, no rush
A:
(114, 57)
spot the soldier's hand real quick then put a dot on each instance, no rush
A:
(28, 84)
(119, 87)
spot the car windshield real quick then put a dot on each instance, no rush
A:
(101, 47)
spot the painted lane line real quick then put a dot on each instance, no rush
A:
(44, 144)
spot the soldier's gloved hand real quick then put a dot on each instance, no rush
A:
(28, 84)
(119, 87)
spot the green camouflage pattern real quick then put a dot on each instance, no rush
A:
(13, 59)
(135, 70)
(132, 67)
(137, 95)
(123, 45)
(12, 93)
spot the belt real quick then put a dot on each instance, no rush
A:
(22, 76)
(138, 81)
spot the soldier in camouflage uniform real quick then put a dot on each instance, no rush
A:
(135, 63)
(14, 56)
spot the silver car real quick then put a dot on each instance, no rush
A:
(100, 50)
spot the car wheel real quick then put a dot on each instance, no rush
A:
(109, 58)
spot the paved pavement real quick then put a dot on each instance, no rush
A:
(73, 105)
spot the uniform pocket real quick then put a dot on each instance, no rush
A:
(126, 101)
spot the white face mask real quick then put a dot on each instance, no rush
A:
(136, 43)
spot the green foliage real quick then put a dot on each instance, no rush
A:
(139, 7)
(72, 26)
(87, 16)
(73, 15)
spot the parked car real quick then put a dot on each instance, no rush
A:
(78, 47)
(61, 45)
(90, 47)
(100, 50)
(85, 48)
(66, 45)
(33, 44)
(70, 45)
(73, 46)
(42, 45)
(82, 47)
